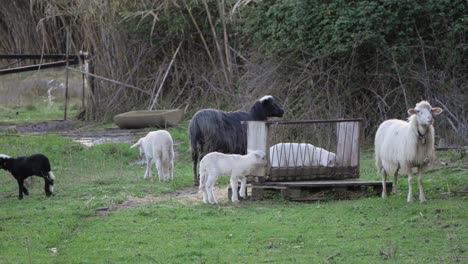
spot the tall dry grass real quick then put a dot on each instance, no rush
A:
(128, 42)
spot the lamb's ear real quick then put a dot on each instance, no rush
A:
(259, 155)
(411, 111)
(436, 110)
(136, 144)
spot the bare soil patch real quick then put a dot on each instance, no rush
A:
(187, 196)
(73, 129)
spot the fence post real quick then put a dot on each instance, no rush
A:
(347, 149)
(257, 132)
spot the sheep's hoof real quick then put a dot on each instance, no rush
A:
(235, 201)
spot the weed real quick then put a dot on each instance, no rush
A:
(389, 251)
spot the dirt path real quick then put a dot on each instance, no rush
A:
(73, 130)
(187, 196)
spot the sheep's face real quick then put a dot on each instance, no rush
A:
(331, 160)
(425, 113)
(260, 157)
(271, 107)
(4, 162)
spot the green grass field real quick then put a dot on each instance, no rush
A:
(67, 228)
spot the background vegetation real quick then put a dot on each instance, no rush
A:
(322, 59)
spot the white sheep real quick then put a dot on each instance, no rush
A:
(300, 154)
(402, 145)
(216, 164)
(158, 146)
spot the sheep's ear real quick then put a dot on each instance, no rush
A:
(411, 111)
(436, 110)
(259, 155)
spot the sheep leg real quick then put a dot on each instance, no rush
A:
(21, 189)
(234, 187)
(160, 169)
(384, 185)
(205, 194)
(395, 182)
(209, 189)
(196, 178)
(148, 168)
(202, 188)
(25, 190)
(410, 186)
(47, 187)
(243, 187)
(168, 170)
(422, 198)
(50, 179)
(171, 170)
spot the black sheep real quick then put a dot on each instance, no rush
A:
(24, 167)
(214, 130)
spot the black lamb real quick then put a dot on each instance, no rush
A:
(215, 130)
(24, 167)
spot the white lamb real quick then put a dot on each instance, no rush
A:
(402, 145)
(216, 164)
(300, 154)
(158, 146)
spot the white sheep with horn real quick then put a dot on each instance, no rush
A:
(401, 146)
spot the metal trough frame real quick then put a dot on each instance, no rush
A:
(260, 133)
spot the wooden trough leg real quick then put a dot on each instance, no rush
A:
(257, 194)
(291, 193)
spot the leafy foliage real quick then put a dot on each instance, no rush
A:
(340, 26)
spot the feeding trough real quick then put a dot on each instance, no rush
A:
(149, 118)
(309, 176)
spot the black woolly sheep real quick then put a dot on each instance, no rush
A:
(214, 130)
(24, 167)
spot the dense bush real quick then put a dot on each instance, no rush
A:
(338, 27)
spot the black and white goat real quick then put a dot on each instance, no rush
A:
(24, 167)
(214, 130)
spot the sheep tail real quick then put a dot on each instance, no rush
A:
(136, 144)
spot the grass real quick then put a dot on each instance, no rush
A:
(24, 96)
(67, 228)
(38, 110)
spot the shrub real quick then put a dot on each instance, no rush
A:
(338, 27)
